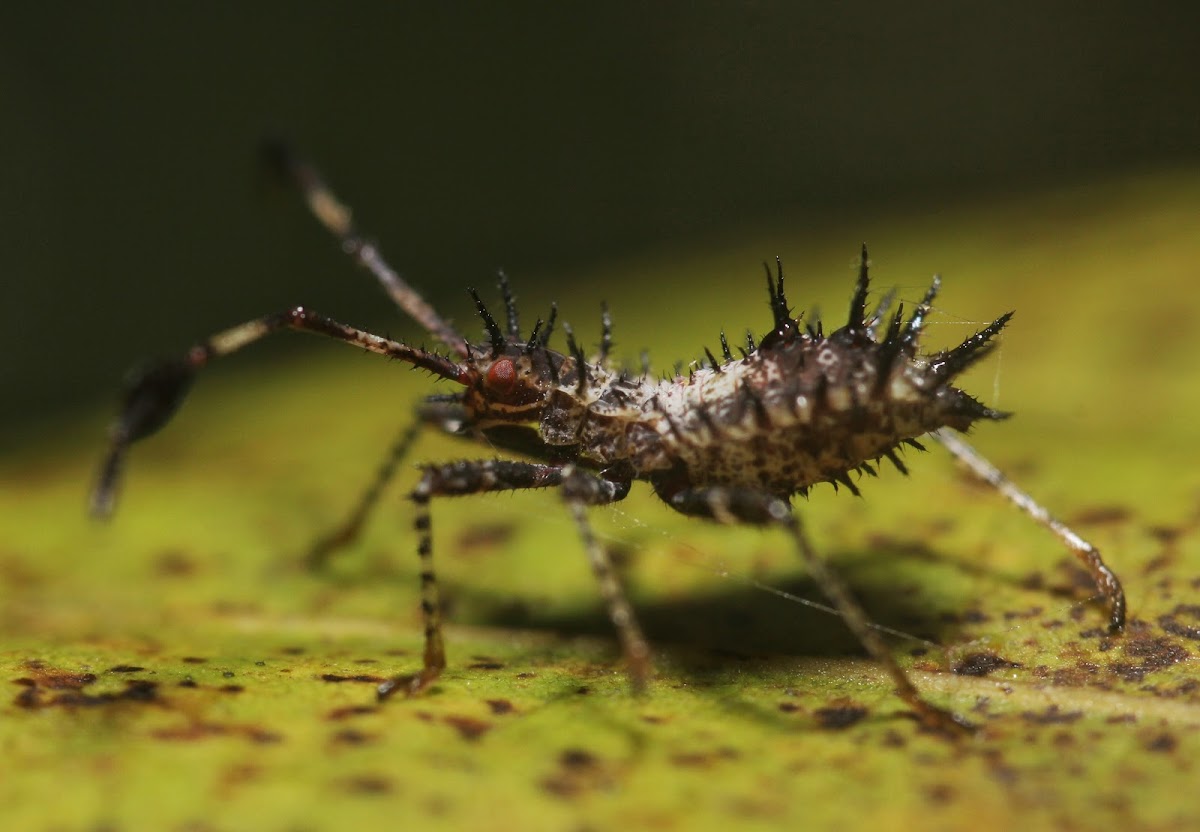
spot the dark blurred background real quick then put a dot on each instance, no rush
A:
(537, 136)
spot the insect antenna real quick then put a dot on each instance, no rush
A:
(495, 336)
(336, 217)
(510, 306)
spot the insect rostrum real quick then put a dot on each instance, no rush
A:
(733, 441)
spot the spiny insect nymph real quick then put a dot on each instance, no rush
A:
(733, 441)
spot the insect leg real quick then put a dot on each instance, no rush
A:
(455, 479)
(581, 490)
(337, 219)
(1106, 581)
(478, 477)
(437, 413)
(739, 505)
(153, 393)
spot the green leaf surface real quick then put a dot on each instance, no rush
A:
(179, 668)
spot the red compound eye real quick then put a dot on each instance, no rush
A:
(501, 376)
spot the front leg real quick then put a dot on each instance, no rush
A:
(444, 414)
(483, 476)
(742, 505)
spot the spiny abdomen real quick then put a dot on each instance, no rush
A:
(804, 408)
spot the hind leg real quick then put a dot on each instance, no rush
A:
(741, 505)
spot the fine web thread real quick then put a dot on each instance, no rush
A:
(704, 561)
(711, 564)
(997, 354)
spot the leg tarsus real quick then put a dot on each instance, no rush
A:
(410, 684)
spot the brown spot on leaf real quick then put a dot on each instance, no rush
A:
(788, 707)
(981, 664)
(207, 730)
(704, 759)
(348, 711)
(1162, 743)
(352, 736)
(44, 676)
(837, 717)
(361, 677)
(577, 758)
(1031, 612)
(468, 727)
(174, 563)
(1165, 534)
(1082, 673)
(486, 665)
(1171, 623)
(579, 771)
(126, 668)
(193, 660)
(499, 707)
(368, 784)
(1052, 716)
(1102, 515)
(136, 690)
(1152, 654)
(939, 793)
(484, 538)
(231, 688)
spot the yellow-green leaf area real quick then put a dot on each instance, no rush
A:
(180, 668)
